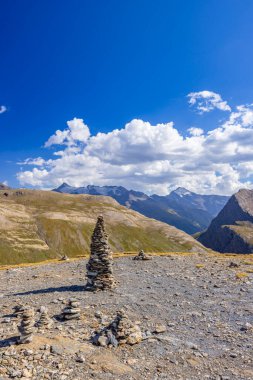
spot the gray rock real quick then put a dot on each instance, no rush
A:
(56, 350)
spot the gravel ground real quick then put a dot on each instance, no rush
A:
(199, 300)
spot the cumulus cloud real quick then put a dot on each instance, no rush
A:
(242, 116)
(77, 132)
(3, 109)
(195, 131)
(150, 158)
(206, 101)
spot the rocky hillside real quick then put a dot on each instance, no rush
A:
(37, 225)
(232, 229)
(181, 208)
(192, 212)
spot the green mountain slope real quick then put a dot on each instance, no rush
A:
(38, 225)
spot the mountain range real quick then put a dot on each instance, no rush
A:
(181, 208)
(232, 230)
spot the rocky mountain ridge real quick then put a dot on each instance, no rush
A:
(3, 186)
(181, 208)
(232, 229)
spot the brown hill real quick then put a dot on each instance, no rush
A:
(36, 225)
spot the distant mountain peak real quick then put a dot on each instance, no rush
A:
(64, 188)
(64, 184)
(182, 191)
(3, 186)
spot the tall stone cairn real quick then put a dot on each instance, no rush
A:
(26, 327)
(99, 267)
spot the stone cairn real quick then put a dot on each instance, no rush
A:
(64, 258)
(142, 256)
(99, 267)
(44, 322)
(233, 265)
(18, 310)
(121, 331)
(72, 310)
(26, 327)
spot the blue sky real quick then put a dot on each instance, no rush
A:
(109, 62)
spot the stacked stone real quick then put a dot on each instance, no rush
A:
(26, 327)
(127, 331)
(64, 258)
(121, 331)
(18, 310)
(72, 310)
(45, 322)
(99, 267)
(142, 256)
(233, 265)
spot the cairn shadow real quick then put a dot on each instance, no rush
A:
(8, 342)
(61, 289)
(8, 316)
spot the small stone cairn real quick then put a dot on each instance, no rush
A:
(18, 310)
(44, 322)
(72, 310)
(233, 265)
(99, 267)
(142, 256)
(26, 327)
(64, 258)
(121, 331)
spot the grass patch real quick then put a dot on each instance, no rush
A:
(199, 266)
(241, 275)
(127, 238)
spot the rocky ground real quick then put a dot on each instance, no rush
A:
(195, 312)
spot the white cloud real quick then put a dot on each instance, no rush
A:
(243, 116)
(3, 109)
(39, 161)
(151, 158)
(195, 131)
(77, 132)
(206, 101)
